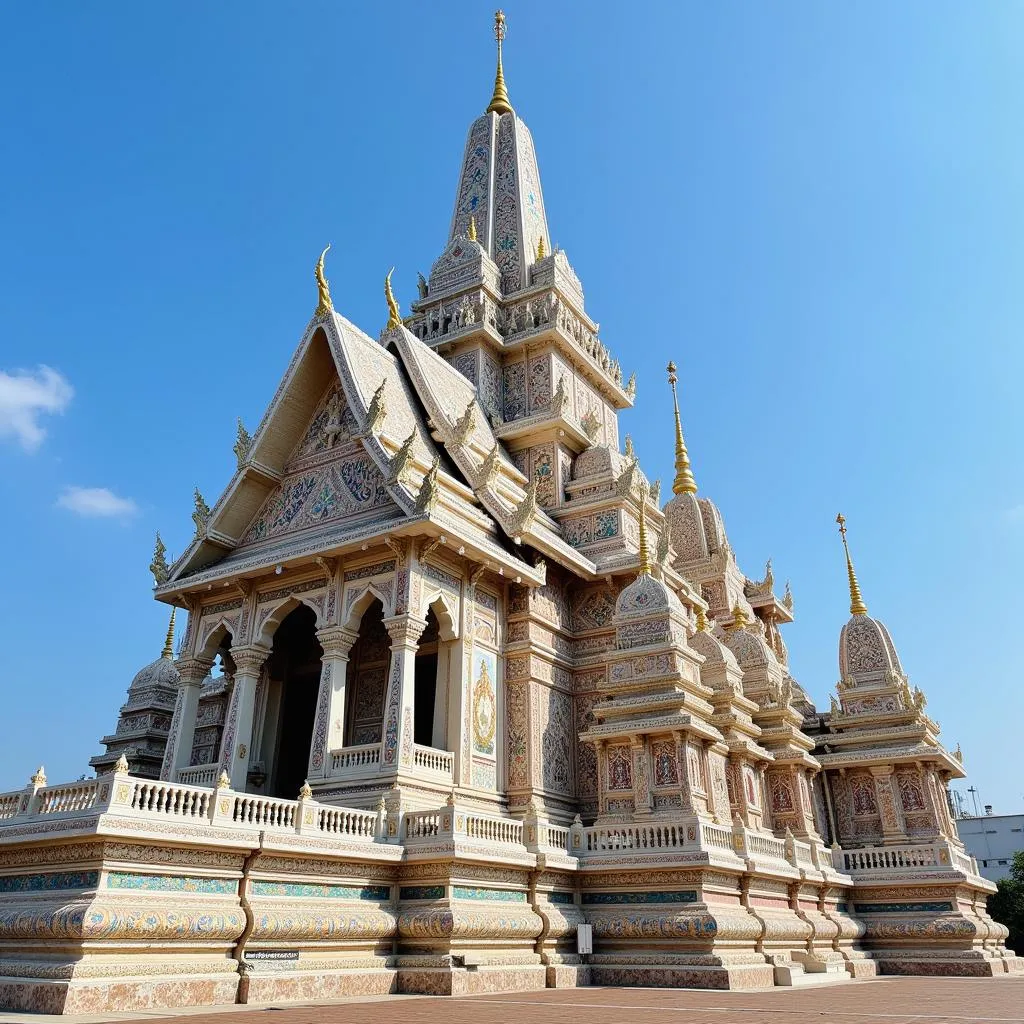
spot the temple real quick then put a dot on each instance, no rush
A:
(462, 706)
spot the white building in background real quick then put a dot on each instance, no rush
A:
(993, 839)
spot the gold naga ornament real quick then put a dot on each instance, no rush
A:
(324, 304)
(394, 314)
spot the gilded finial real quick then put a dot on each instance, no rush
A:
(540, 248)
(684, 482)
(324, 304)
(159, 567)
(394, 314)
(471, 231)
(645, 555)
(499, 100)
(168, 651)
(739, 618)
(857, 605)
(702, 620)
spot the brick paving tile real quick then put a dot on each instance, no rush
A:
(880, 1001)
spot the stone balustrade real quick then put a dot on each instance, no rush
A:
(348, 759)
(429, 759)
(911, 858)
(198, 775)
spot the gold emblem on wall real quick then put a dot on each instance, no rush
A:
(485, 711)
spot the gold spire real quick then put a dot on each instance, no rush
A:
(645, 555)
(471, 233)
(684, 482)
(540, 248)
(857, 605)
(168, 651)
(739, 618)
(499, 100)
(324, 304)
(394, 314)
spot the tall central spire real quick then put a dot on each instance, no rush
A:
(857, 605)
(684, 482)
(499, 100)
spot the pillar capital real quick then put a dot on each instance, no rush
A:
(336, 641)
(249, 660)
(405, 630)
(193, 670)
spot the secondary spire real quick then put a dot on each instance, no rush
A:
(168, 651)
(857, 605)
(684, 482)
(645, 554)
(499, 100)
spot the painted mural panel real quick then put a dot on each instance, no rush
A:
(485, 700)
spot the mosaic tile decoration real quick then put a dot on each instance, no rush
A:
(612, 898)
(561, 897)
(465, 892)
(903, 908)
(171, 883)
(421, 892)
(330, 892)
(52, 882)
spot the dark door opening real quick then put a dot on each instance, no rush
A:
(425, 691)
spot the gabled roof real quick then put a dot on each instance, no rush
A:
(333, 349)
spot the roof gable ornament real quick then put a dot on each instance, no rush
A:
(465, 424)
(394, 314)
(488, 471)
(525, 513)
(857, 605)
(243, 442)
(376, 410)
(426, 500)
(201, 513)
(500, 103)
(401, 460)
(159, 567)
(324, 304)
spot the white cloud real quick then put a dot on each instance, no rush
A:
(96, 502)
(26, 396)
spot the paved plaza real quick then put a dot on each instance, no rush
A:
(889, 1000)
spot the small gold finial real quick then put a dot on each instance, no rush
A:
(857, 605)
(394, 314)
(645, 554)
(739, 618)
(499, 100)
(168, 651)
(684, 482)
(471, 232)
(702, 620)
(324, 305)
(540, 248)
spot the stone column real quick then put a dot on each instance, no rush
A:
(329, 725)
(764, 794)
(236, 746)
(405, 632)
(893, 828)
(642, 800)
(178, 752)
(600, 755)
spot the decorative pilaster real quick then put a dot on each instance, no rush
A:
(329, 726)
(236, 747)
(893, 827)
(405, 632)
(178, 753)
(643, 803)
(683, 768)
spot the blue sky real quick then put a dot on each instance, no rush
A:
(813, 208)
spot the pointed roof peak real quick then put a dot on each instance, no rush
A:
(684, 483)
(500, 103)
(168, 651)
(857, 605)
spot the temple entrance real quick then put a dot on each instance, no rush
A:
(292, 684)
(429, 692)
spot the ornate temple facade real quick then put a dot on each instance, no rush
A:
(458, 696)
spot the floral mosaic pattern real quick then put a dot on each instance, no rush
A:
(304, 890)
(51, 882)
(421, 892)
(463, 892)
(598, 899)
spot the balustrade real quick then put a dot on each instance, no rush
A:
(432, 760)
(347, 758)
(198, 775)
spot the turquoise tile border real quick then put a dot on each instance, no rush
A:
(421, 892)
(329, 892)
(52, 882)
(171, 883)
(465, 892)
(561, 897)
(903, 908)
(609, 898)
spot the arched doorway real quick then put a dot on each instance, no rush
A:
(292, 682)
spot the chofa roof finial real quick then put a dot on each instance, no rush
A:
(324, 304)
(168, 651)
(394, 314)
(857, 605)
(684, 482)
(499, 100)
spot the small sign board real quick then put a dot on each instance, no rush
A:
(271, 954)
